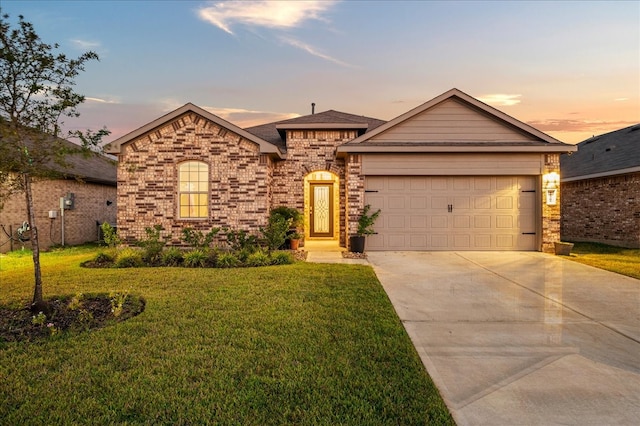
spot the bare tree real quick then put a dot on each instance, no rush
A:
(36, 93)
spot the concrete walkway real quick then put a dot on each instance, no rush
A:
(328, 251)
(520, 338)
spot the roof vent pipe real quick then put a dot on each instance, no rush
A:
(313, 107)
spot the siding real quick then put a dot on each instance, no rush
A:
(452, 164)
(451, 121)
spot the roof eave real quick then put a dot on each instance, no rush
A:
(602, 174)
(321, 126)
(115, 147)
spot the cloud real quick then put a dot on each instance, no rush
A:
(247, 118)
(312, 50)
(269, 14)
(621, 99)
(590, 126)
(100, 100)
(85, 44)
(500, 99)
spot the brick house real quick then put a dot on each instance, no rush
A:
(601, 189)
(451, 174)
(92, 183)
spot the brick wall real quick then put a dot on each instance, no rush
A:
(147, 179)
(355, 192)
(604, 210)
(80, 223)
(551, 214)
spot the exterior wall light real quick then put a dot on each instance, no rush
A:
(550, 185)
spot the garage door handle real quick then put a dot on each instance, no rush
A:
(450, 208)
(528, 233)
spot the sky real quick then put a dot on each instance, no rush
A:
(570, 69)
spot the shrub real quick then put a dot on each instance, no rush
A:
(197, 239)
(227, 260)
(109, 235)
(129, 258)
(288, 213)
(282, 258)
(275, 232)
(172, 256)
(195, 258)
(153, 244)
(259, 258)
(241, 240)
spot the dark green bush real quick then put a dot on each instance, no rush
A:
(172, 256)
(259, 258)
(227, 260)
(282, 258)
(129, 258)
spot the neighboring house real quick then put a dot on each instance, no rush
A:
(92, 183)
(451, 174)
(601, 189)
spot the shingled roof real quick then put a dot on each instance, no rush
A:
(613, 153)
(331, 119)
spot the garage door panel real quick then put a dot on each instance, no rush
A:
(453, 213)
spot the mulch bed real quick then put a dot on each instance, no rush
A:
(94, 311)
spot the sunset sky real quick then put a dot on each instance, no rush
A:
(570, 69)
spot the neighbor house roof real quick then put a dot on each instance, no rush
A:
(275, 133)
(385, 139)
(115, 146)
(613, 153)
(92, 167)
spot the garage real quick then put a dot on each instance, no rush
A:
(453, 212)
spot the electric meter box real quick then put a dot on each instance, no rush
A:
(69, 201)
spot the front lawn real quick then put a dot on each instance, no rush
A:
(297, 344)
(615, 259)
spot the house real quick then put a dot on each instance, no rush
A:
(87, 184)
(601, 189)
(451, 174)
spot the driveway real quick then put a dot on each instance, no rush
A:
(515, 338)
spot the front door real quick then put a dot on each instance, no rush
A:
(321, 210)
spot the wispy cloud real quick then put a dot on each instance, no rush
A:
(100, 100)
(313, 51)
(568, 125)
(621, 99)
(85, 44)
(500, 99)
(247, 118)
(270, 14)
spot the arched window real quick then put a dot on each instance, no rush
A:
(193, 189)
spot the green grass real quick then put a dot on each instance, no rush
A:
(615, 259)
(298, 344)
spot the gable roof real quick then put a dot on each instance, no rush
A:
(92, 167)
(451, 133)
(275, 133)
(613, 153)
(116, 146)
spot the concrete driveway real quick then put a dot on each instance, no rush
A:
(520, 338)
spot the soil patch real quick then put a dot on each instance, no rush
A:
(67, 314)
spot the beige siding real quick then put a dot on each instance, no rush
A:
(451, 121)
(452, 164)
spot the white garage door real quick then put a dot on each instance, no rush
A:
(453, 212)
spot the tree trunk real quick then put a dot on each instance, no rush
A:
(38, 302)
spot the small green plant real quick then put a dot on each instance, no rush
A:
(129, 258)
(289, 213)
(282, 258)
(152, 244)
(197, 239)
(195, 258)
(367, 220)
(259, 258)
(275, 233)
(53, 330)
(110, 235)
(227, 260)
(104, 258)
(241, 239)
(117, 299)
(84, 320)
(38, 319)
(76, 302)
(172, 256)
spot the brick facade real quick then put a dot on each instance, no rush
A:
(551, 214)
(604, 210)
(239, 193)
(80, 222)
